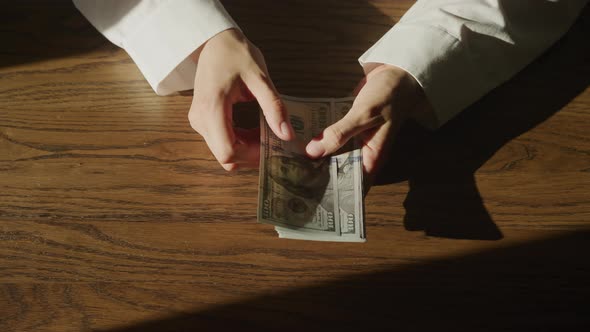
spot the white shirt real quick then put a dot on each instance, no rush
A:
(457, 50)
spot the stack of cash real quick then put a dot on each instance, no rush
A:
(309, 199)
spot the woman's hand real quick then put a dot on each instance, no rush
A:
(230, 69)
(386, 97)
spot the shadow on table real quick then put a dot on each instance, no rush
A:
(35, 30)
(536, 286)
(443, 199)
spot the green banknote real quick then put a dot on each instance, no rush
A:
(311, 199)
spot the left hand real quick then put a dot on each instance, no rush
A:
(386, 97)
(230, 69)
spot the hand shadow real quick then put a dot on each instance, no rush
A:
(443, 198)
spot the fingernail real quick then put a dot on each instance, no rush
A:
(286, 129)
(315, 149)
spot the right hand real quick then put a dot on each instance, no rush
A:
(230, 69)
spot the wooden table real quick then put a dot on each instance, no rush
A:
(114, 216)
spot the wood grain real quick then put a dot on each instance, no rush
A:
(114, 216)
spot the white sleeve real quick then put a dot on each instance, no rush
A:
(458, 50)
(159, 35)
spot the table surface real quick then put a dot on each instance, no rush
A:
(114, 216)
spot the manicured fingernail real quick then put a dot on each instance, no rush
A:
(315, 149)
(286, 129)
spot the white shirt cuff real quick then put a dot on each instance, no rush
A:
(436, 60)
(162, 44)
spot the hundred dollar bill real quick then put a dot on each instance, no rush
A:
(311, 199)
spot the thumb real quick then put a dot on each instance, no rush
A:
(272, 106)
(336, 135)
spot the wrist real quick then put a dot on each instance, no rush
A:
(231, 33)
(417, 105)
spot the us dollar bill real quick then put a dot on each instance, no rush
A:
(311, 199)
